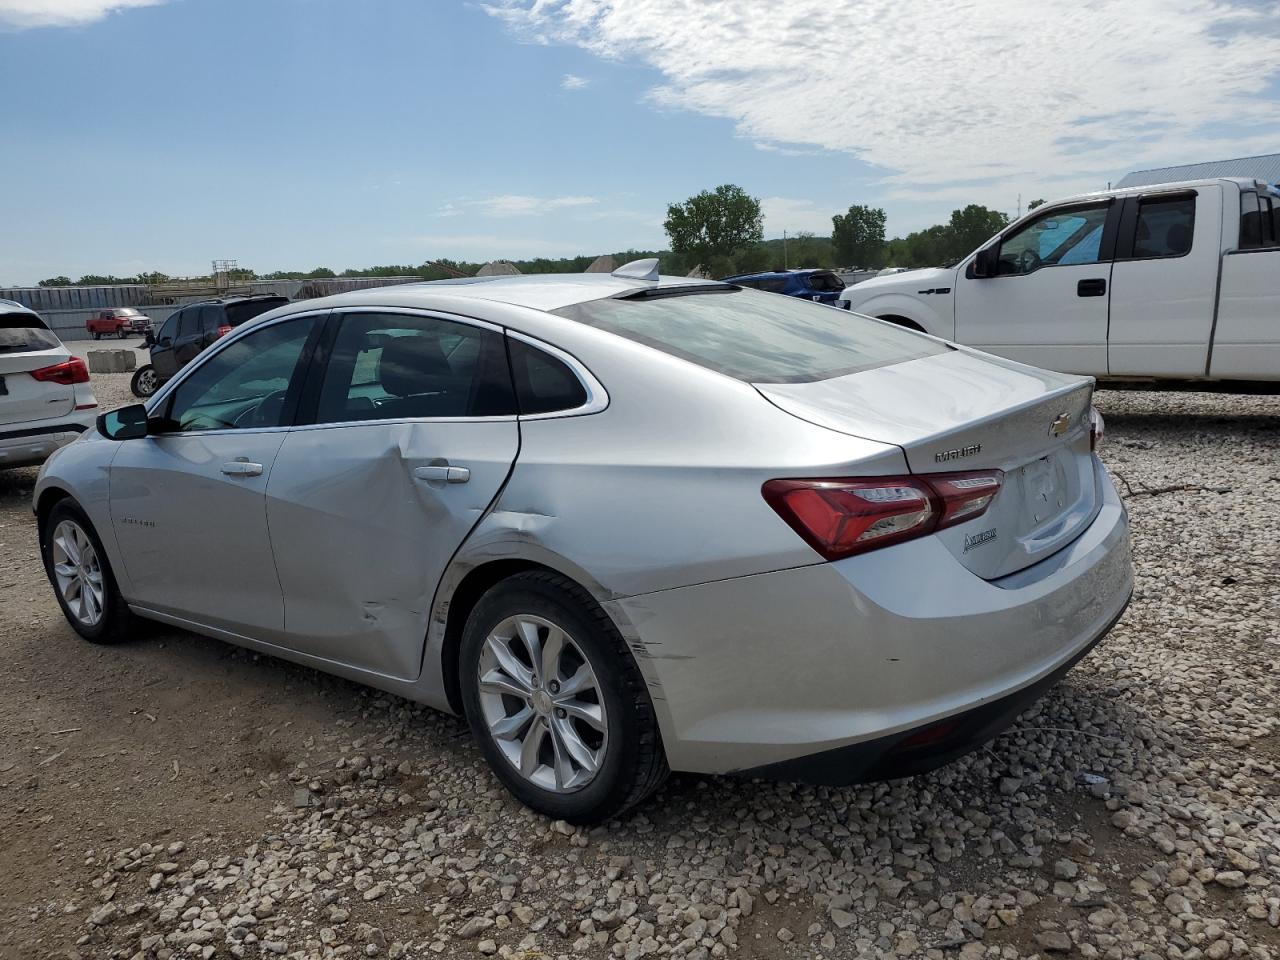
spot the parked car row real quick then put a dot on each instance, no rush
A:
(625, 523)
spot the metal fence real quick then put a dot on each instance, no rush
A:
(66, 309)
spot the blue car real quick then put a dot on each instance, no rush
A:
(822, 286)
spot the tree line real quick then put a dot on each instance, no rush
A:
(720, 232)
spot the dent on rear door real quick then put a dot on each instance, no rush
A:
(361, 542)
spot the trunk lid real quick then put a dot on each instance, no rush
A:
(960, 411)
(23, 398)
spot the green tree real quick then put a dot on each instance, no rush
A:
(154, 276)
(857, 237)
(971, 227)
(1033, 204)
(715, 223)
(56, 282)
(320, 273)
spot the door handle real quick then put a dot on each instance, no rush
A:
(242, 468)
(442, 472)
(1096, 287)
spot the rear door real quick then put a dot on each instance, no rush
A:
(1164, 283)
(1246, 339)
(1047, 306)
(413, 432)
(27, 345)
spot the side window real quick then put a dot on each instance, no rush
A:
(1250, 220)
(1059, 238)
(1165, 227)
(773, 285)
(544, 384)
(187, 322)
(386, 366)
(245, 385)
(211, 318)
(170, 328)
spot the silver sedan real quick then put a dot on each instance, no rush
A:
(623, 524)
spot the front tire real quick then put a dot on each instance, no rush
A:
(556, 702)
(122, 333)
(145, 382)
(81, 576)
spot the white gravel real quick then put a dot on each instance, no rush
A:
(1135, 812)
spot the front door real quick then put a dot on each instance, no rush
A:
(1165, 283)
(414, 434)
(188, 505)
(1047, 305)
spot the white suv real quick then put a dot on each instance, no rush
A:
(45, 397)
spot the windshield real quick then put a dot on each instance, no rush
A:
(21, 331)
(756, 337)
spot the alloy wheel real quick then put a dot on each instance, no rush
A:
(77, 572)
(542, 703)
(147, 382)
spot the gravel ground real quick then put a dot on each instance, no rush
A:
(178, 797)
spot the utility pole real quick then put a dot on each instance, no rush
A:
(784, 251)
(1019, 216)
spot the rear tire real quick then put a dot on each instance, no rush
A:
(97, 335)
(122, 333)
(81, 576)
(596, 749)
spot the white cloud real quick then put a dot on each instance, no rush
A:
(573, 82)
(1003, 97)
(515, 205)
(21, 14)
(787, 213)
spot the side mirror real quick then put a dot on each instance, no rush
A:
(127, 423)
(986, 263)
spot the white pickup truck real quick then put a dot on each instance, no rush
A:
(1179, 281)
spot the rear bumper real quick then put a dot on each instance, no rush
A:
(923, 748)
(26, 446)
(751, 674)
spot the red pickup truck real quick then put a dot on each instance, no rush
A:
(118, 321)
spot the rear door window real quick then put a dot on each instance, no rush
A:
(753, 336)
(1250, 220)
(188, 324)
(388, 366)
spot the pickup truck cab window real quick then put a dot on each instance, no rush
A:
(1259, 226)
(1059, 238)
(1165, 227)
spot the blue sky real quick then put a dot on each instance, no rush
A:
(289, 134)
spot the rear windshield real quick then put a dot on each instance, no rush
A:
(754, 336)
(238, 313)
(828, 282)
(21, 331)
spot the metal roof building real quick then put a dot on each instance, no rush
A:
(1265, 168)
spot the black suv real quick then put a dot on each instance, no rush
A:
(192, 328)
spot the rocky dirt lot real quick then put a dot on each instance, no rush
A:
(176, 797)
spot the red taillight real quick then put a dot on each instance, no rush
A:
(845, 516)
(224, 330)
(68, 372)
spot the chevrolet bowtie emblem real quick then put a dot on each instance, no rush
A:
(1060, 425)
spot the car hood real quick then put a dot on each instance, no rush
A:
(928, 276)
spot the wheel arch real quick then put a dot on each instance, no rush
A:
(901, 321)
(49, 497)
(467, 580)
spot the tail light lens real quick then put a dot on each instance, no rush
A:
(845, 516)
(68, 372)
(223, 330)
(1097, 428)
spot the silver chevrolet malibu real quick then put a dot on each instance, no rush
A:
(624, 524)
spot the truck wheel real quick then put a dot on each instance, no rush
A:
(122, 333)
(96, 335)
(144, 382)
